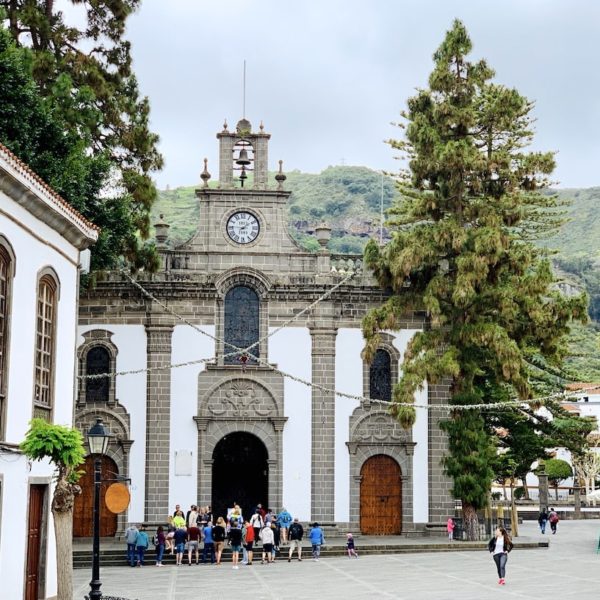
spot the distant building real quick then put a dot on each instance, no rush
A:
(41, 237)
(234, 430)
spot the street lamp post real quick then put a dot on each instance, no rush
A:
(98, 439)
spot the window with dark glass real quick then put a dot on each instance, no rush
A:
(5, 274)
(45, 343)
(241, 323)
(380, 376)
(97, 361)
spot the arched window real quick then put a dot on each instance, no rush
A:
(44, 346)
(380, 376)
(97, 361)
(241, 322)
(6, 266)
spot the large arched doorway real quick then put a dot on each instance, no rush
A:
(83, 510)
(380, 496)
(240, 473)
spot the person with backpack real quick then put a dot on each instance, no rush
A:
(141, 545)
(296, 533)
(284, 520)
(159, 545)
(130, 537)
(553, 519)
(499, 546)
(542, 520)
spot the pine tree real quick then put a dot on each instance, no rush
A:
(462, 250)
(87, 75)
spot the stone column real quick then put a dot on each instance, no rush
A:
(441, 502)
(323, 425)
(158, 423)
(543, 489)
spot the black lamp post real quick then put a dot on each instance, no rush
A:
(98, 439)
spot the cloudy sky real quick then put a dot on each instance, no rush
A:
(327, 77)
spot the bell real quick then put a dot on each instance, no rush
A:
(243, 175)
(243, 158)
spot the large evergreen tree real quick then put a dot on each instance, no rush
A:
(87, 76)
(462, 250)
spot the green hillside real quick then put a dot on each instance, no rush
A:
(349, 199)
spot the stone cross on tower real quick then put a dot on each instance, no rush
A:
(256, 146)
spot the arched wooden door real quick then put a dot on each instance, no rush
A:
(380, 496)
(83, 510)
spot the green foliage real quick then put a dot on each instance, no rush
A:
(63, 446)
(85, 78)
(463, 238)
(557, 470)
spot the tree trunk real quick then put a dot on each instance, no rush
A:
(62, 510)
(525, 488)
(504, 490)
(556, 492)
(470, 521)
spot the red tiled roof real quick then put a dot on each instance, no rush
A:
(27, 173)
(582, 386)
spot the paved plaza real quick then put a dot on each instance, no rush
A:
(570, 568)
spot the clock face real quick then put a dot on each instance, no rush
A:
(243, 227)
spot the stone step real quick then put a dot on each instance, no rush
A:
(82, 559)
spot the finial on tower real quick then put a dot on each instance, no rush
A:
(205, 175)
(280, 177)
(225, 125)
(262, 127)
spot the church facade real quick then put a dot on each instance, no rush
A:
(264, 425)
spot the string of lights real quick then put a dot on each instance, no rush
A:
(244, 354)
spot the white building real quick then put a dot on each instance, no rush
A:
(41, 237)
(225, 430)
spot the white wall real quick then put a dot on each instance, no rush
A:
(32, 255)
(290, 349)
(130, 391)
(348, 379)
(420, 434)
(188, 344)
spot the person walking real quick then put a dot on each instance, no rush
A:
(450, 528)
(350, 546)
(159, 545)
(284, 519)
(317, 540)
(218, 534)
(553, 518)
(130, 538)
(296, 533)
(249, 542)
(141, 545)
(209, 543)
(542, 520)
(235, 541)
(268, 539)
(499, 546)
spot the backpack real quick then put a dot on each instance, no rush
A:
(553, 518)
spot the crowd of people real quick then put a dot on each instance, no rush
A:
(200, 537)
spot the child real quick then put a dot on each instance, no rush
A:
(316, 540)
(450, 528)
(350, 546)
(169, 543)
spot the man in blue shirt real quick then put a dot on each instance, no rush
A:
(209, 544)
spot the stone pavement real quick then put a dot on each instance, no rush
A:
(570, 568)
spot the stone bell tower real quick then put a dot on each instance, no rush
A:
(242, 151)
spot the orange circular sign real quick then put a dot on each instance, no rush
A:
(117, 498)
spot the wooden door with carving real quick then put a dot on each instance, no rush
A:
(380, 496)
(83, 511)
